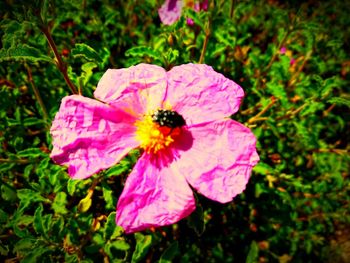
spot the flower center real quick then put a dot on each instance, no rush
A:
(158, 130)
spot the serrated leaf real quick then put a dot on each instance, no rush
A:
(87, 71)
(85, 51)
(143, 244)
(23, 52)
(143, 52)
(170, 253)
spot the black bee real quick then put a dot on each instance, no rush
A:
(168, 118)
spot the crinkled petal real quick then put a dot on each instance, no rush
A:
(200, 94)
(219, 162)
(89, 136)
(170, 11)
(153, 196)
(136, 90)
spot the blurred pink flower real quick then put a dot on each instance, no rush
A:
(283, 50)
(180, 120)
(292, 61)
(171, 10)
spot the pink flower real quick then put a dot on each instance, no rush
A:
(180, 120)
(283, 50)
(171, 10)
(292, 61)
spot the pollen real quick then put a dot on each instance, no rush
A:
(154, 137)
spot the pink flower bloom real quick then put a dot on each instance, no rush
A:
(292, 61)
(189, 22)
(171, 10)
(180, 120)
(283, 50)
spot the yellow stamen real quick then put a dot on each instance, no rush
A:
(152, 136)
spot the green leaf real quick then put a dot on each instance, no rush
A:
(4, 250)
(28, 197)
(253, 253)
(170, 253)
(24, 245)
(108, 196)
(340, 101)
(8, 193)
(87, 52)
(119, 245)
(72, 185)
(31, 153)
(143, 52)
(38, 223)
(37, 255)
(23, 52)
(87, 71)
(263, 168)
(118, 169)
(32, 121)
(111, 230)
(3, 216)
(6, 166)
(143, 244)
(59, 203)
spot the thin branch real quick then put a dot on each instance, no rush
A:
(60, 64)
(204, 48)
(232, 8)
(36, 93)
(258, 117)
(19, 161)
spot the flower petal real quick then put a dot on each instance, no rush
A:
(170, 11)
(89, 136)
(152, 197)
(200, 94)
(219, 162)
(136, 89)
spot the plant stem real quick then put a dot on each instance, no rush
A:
(232, 8)
(19, 161)
(258, 117)
(60, 64)
(204, 48)
(36, 93)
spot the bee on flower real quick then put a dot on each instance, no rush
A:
(180, 120)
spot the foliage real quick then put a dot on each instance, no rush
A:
(296, 205)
